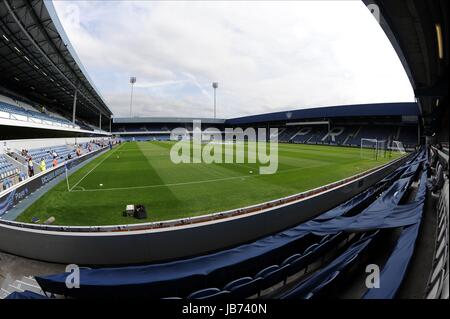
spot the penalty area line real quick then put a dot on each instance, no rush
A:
(98, 164)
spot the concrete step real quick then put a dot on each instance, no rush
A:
(20, 285)
(29, 280)
(3, 293)
(31, 287)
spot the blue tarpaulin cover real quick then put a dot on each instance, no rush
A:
(395, 268)
(25, 295)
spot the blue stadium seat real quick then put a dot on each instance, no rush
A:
(237, 282)
(271, 276)
(324, 239)
(243, 287)
(298, 264)
(311, 248)
(223, 294)
(319, 290)
(203, 293)
(290, 259)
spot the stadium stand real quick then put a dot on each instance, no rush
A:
(18, 113)
(62, 151)
(10, 174)
(372, 132)
(337, 125)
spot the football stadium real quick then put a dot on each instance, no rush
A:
(332, 202)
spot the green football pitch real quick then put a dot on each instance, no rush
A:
(143, 173)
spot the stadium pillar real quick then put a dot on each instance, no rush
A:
(100, 121)
(329, 130)
(74, 105)
(418, 133)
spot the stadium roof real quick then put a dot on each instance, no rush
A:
(357, 110)
(38, 62)
(419, 33)
(129, 120)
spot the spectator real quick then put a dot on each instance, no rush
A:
(43, 165)
(54, 154)
(30, 167)
(55, 162)
(69, 156)
(22, 176)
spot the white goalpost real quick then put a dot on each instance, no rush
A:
(372, 148)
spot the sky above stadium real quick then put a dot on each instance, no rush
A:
(266, 56)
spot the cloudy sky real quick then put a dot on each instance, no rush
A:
(266, 56)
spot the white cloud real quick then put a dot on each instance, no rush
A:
(266, 56)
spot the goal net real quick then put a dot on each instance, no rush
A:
(397, 146)
(373, 149)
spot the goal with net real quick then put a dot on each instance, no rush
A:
(372, 148)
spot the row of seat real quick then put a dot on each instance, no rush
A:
(46, 153)
(137, 138)
(9, 173)
(29, 113)
(273, 275)
(7, 169)
(350, 135)
(318, 283)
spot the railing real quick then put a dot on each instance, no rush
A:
(438, 281)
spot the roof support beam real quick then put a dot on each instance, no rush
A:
(74, 111)
(30, 38)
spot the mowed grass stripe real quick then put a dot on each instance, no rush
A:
(142, 173)
(92, 169)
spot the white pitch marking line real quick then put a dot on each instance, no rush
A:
(27, 284)
(94, 168)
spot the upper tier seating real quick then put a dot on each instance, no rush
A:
(143, 138)
(9, 108)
